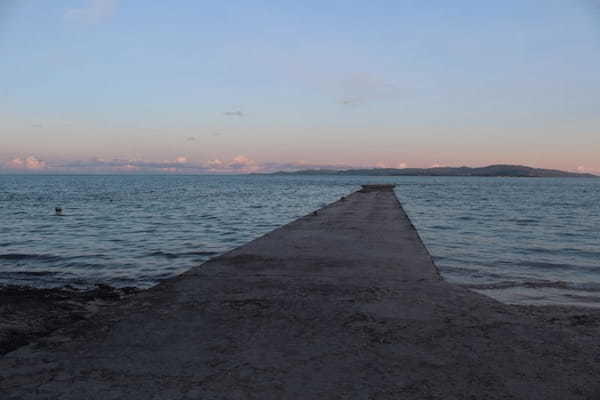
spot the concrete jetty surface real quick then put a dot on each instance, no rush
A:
(343, 304)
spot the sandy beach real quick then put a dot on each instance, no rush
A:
(27, 314)
(342, 303)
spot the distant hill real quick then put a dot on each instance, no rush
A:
(491, 170)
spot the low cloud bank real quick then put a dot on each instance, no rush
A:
(26, 164)
(239, 164)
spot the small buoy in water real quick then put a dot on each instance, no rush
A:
(58, 211)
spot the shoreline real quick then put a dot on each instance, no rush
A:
(28, 314)
(344, 302)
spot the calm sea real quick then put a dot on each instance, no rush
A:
(521, 240)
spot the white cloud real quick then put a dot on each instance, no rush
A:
(242, 163)
(587, 170)
(28, 163)
(181, 164)
(215, 164)
(93, 11)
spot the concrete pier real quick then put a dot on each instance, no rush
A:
(344, 303)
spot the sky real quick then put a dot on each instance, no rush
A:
(187, 86)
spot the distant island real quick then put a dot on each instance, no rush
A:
(500, 170)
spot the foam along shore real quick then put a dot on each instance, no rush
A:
(342, 303)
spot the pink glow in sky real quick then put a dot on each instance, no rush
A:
(96, 86)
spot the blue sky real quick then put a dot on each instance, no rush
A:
(105, 84)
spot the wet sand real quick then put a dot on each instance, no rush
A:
(343, 303)
(27, 314)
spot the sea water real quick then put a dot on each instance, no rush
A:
(521, 240)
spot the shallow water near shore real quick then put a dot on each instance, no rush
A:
(521, 240)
